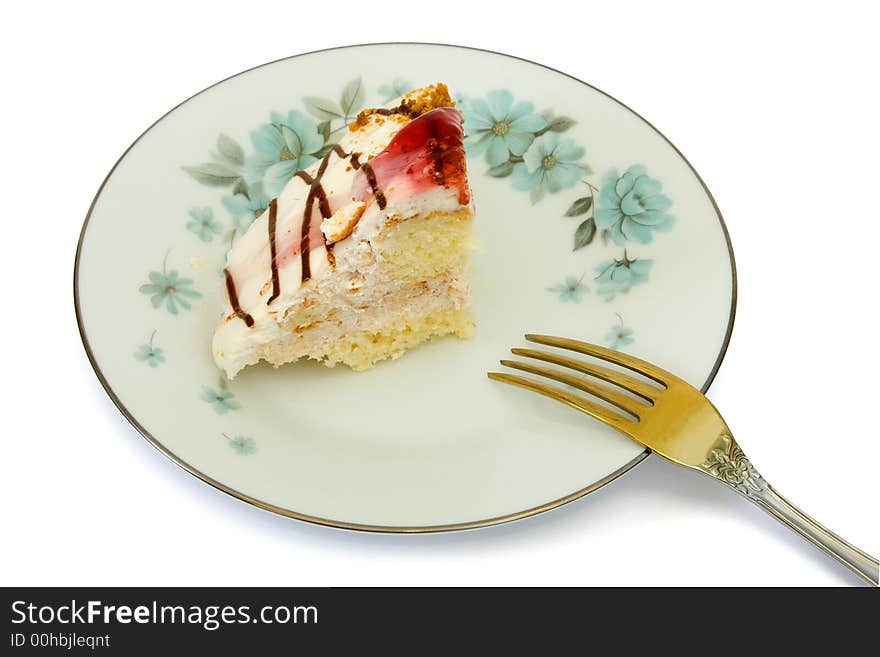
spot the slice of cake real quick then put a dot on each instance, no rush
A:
(364, 254)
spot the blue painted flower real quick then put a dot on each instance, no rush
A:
(222, 400)
(397, 88)
(202, 224)
(242, 444)
(149, 354)
(152, 356)
(631, 206)
(550, 163)
(619, 276)
(499, 127)
(245, 208)
(283, 147)
(619, 335)
(171, 288)
(572, 289)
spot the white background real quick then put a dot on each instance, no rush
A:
(775, 104)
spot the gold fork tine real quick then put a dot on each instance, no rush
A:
(644, 368)
(624, 403)
(647, 392)
(577, 402)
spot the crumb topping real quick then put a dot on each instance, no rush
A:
(413, 104)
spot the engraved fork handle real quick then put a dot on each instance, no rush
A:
(861, 563)
(727, 463)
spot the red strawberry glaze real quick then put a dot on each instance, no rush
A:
(427, 152)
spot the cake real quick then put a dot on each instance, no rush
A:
(363, 255)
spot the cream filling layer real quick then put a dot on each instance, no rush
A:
(343, 310)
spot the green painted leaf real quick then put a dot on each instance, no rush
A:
(240, 187)
(579, 207)
(324, 129)
(322, 108)
(326, 148)
(213, 174)
(516, 158)
(230, 149)
(292, 140)
(561, 123)
(584, 233)
(352, 98)
(502, 170)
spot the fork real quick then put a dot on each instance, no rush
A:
(676, 421)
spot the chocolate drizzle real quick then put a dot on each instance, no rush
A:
(374, 185)
(233, 300)
(306, 178)
(405, 108)
(408, 112)
(273, 218)
(316, 190)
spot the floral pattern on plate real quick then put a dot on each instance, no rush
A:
(516, 141)
(241, 445)
(168, 288)
(149, 353)
(571, 289)
(221, 399)
(620, 335)
(203, 224)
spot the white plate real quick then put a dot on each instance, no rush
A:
(425, 442)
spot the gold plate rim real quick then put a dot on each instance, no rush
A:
(390, 529)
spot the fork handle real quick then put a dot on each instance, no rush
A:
(726, 462)
(859, 562)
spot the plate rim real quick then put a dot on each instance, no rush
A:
(390, 529)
